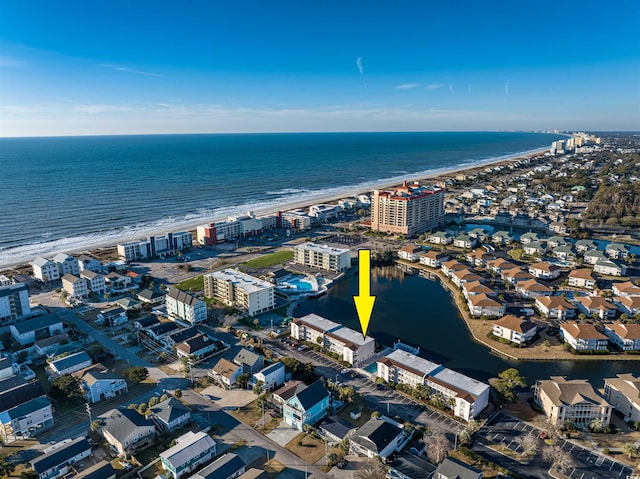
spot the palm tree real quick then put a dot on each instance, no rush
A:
(630, 450)
(546, 344)
(95, 425)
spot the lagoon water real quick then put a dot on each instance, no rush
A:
(421, 312)
(58, 194)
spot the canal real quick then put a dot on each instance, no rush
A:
(421, 312)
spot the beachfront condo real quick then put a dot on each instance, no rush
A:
(322, 257)
(14, 302)
(240, 290)
(407, 209)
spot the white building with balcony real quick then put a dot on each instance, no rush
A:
(240, 290)
(322, 257)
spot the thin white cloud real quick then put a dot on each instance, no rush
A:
(407, 86)
(433, 86)
(469, 88)
(506, 90)
(98, 109)
(450, 88)
(6, 61)
(359, 65)
(124, 69)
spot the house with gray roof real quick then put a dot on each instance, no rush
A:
(609, 268)
(100, 470)
(100, 384)
(127, 430)
(29, 331)
(170, 414)
(336, 430)
(56, 462)
(617, 250)
(410, 466)
(584, 245)
(272, 376)
(26, 419)
(379, 436)
(190, 451)
(593, 256)
(251, 362)
(451, 468)
(69, 364)
(228, 466)
(151, 296)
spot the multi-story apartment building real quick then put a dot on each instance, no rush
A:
(240, 290)
(623, 392)
(573, 400)
(96, 281)
(45, 270)
(407, 209)
(66, 264)
(336, 338)
(76, 287)
(155, 246)
(14, 302)
(322, 257)
(403, 367)
(185, 307)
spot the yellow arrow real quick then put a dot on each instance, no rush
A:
(364, 301)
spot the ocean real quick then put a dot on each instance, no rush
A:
(68, 193)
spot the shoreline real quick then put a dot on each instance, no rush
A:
(293, 204)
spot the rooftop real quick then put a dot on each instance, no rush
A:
(241, 280)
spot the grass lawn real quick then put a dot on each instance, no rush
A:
(306, 447)
(269, 259)
(195, 283)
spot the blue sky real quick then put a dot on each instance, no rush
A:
(111, 67)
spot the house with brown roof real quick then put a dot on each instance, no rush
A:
(449, 267)
(410, 252)
(515, 275)
(499, 265)
(583, 337)
(629, 305)
(623, 392)
(625, 288)
(533, 289)
(515, 329)
(463, 276)
(576, 401)
(625, 336)
(582, 278)
(479, 258)
(483, 305)
(555, 307)
(544, 270)
(287, 391)
(476, 287)
(433, 258)
(595, 305)
(226, 373)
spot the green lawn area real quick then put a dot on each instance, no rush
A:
(194, 283)
(269, 259)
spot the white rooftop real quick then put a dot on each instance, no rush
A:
(318, 248)
(351, 336)
(319, 322)
(461, 381)
(412, 361)
(242, 280)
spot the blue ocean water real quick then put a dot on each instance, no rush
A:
(58, 194)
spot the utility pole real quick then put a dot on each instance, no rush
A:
(88, 408)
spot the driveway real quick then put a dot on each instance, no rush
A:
(283, 434)
(228, 400)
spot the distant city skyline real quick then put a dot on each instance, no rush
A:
(115, 67)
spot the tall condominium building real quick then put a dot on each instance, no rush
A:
(239, 290)
(14, 302)
(156, 246)
(322, 257)
(407, 209)
(185, 307)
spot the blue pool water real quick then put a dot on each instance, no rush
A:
(300, 283)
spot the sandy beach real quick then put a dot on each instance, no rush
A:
(289, 205)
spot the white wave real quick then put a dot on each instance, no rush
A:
(287, 191)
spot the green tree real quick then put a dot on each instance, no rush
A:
(66, 388)
(136, 374)
(332, 459)
(596, 425)
(243, 379)
(95, 425)
(143, 408)
(507, 382)
(258, 387)
(6, 468)
(28, 474)
(153, 400)
(630, 450)
(177, 393)
(164, 397)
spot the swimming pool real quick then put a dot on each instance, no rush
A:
(300, 283)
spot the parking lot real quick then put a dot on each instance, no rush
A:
(507, 431)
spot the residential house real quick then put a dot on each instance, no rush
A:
(534, 248)
(584, 245)
(29, 331)
(575, 401)
(583, 337)
(617, 250)
(182, 306)
(76, 287)
(476, 287)
(409, 466)
(463, 276)
(100, 470)
(515, 275)
(483, 305)
(307, 406)
(6, 367)
(609, 268)
(118, 283)
(89, 263)
(338, 339)
(629, 305)
(95, 281)
(336, 430)
(24, 419)
(178, 336)
(190, 451)
(433, 258)
(56, 462)
(170, 415)
(227, 466)
(69, 364)
(479, 234)
(529, 238)
(379, 437)
(451, 266)
(161, 330)
(452, 468)
(555, 307)
(593, 256)
(154, 297)
(517, 330)
(272, 376)
(114, 316)
(100, 384)
(440, 237)
(625, 336)
(555, 241)
(251, 362)
(544, 270)
(45, 270)
(66, 264)
(410, 253)
(129, 304)
(14, 302)
(226, 373)
(564, 252)
(499, 265)
(145, 322)
(595, 306)
(501, 238)
(127, 430)
(582, 278)
(623, 393)
(626, 288)
(464, 241)
(198, 347)
(479, 258)
(287, 391)
(533, 289)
